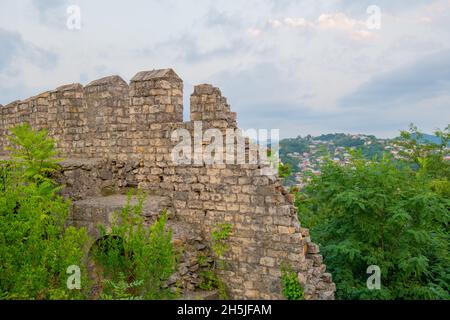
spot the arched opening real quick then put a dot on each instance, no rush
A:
(107, 262)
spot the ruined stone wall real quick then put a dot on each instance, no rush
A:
(9, 119)
(117, 136)
(107, 114)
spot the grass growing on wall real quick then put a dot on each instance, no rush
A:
(292, 290)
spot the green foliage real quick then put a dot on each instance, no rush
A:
(427, 156)
(292, 289)
(35, 246)
(34, 152)
(142, 253)
(109, 252)
(386, 213)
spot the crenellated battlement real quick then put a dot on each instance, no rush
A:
(209, 106)
(98, 119)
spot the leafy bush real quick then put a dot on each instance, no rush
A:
(424, 155)
(35, 246)
(34, 152)
(145, 255)
(386, 213)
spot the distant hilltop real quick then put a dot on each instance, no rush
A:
(307, 154)
(429, 138)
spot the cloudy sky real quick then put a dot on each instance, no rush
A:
(303, 66)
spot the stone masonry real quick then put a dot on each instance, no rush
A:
(115, 136)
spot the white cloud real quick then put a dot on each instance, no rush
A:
(255, 32)
(297, 22)
(424, 19)
(356, 29)
(363, 35)
(338, 21)
(275, 23)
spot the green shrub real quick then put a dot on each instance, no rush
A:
(34, 152)
(35, 246)
(386, 213)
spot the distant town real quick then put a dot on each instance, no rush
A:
(305, 155)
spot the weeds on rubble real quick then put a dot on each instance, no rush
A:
(292, 289)
(210, 280)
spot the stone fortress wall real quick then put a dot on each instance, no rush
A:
(116, 136)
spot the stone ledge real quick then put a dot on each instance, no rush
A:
(70, 162)
(201, 295)
(80, 162)
(153, 205)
